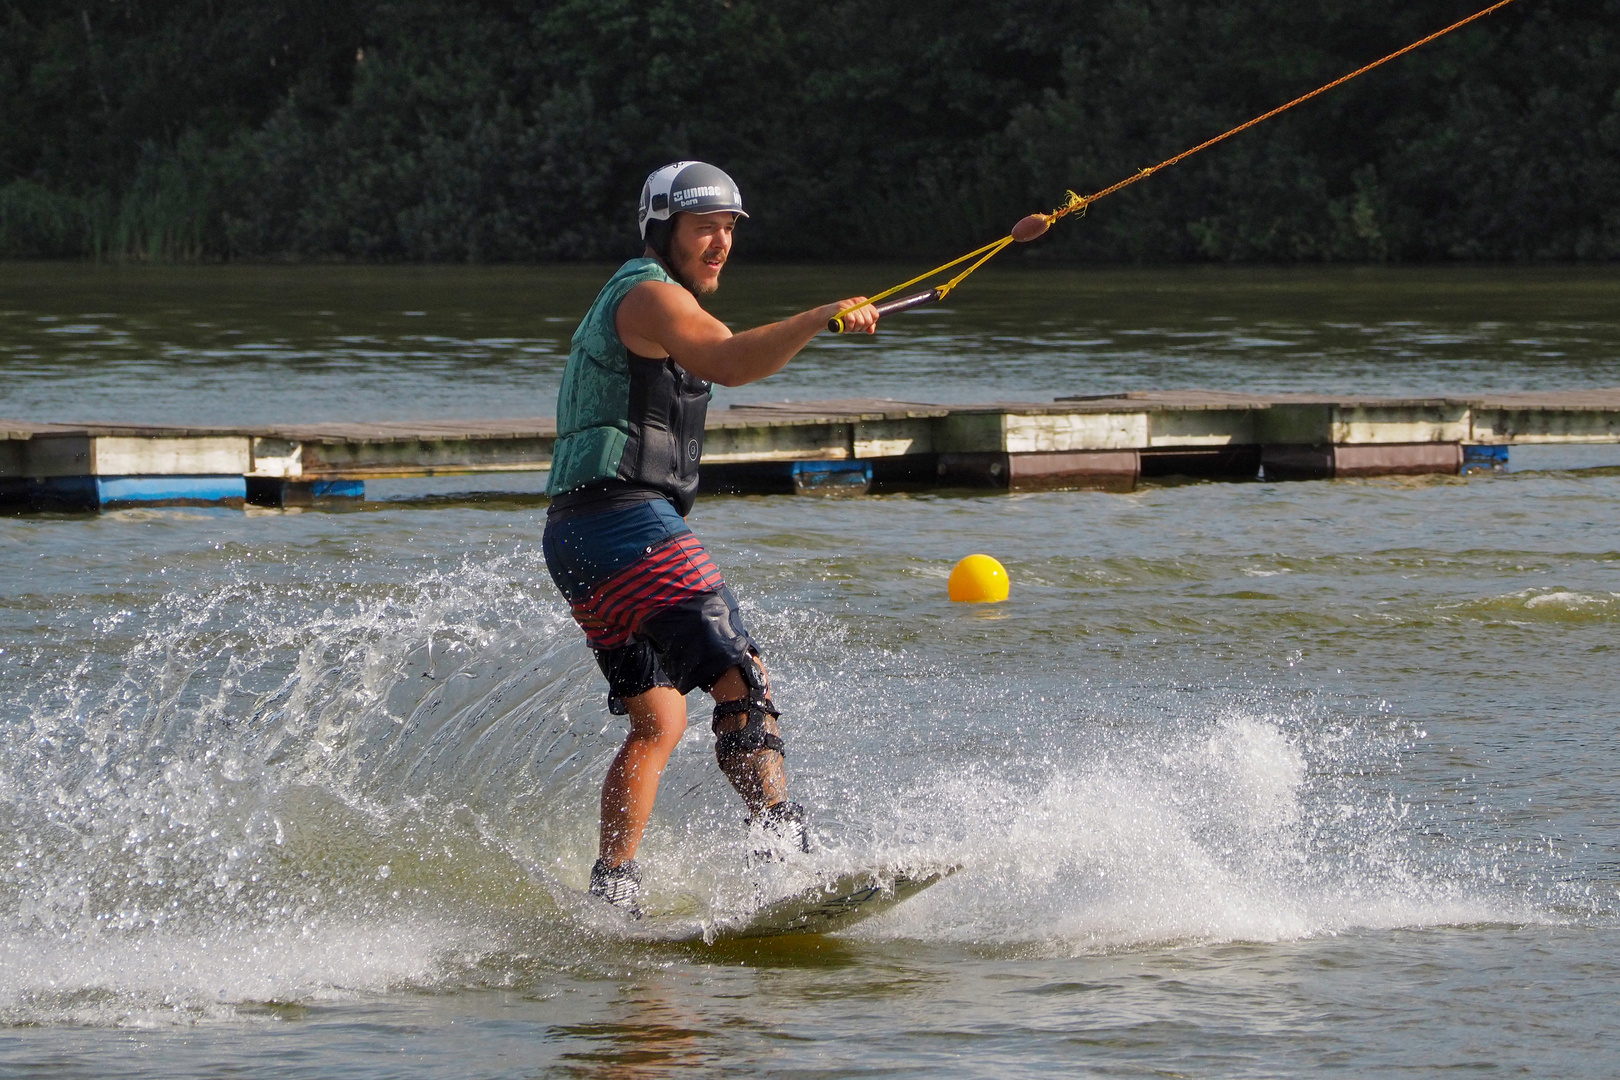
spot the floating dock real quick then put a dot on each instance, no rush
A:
(851, 446)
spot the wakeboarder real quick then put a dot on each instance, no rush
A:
(654, 607)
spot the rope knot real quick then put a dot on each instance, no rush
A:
(1072, 202)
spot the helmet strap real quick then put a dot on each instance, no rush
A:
(659, 236)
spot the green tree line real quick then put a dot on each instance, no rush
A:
(499, 130)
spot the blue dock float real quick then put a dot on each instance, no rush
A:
(788, 477)
(278, 492)
(827, 475)
(105, 466)
(1484, 458)
(80, 493)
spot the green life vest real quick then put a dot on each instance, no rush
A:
(625, 417)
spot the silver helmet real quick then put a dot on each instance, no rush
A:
(691, 187)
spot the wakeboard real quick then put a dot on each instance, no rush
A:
(832, 903)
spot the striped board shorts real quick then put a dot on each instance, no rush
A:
(653, 605)
(667, 573)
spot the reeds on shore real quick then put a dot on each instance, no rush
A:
(165, 214)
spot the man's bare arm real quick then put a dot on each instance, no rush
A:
(657, 319)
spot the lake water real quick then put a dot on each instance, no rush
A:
(1244, 780)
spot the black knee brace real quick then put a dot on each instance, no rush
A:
(752, 735)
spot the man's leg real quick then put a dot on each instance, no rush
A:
(748, 744)
(701, 641)
(758, 775)
(657, 722)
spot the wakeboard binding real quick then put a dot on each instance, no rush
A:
(779, 832)
(618, 885)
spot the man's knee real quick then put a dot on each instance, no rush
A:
(735, 686)
(663, 731)
(658, 714)
(744, 715)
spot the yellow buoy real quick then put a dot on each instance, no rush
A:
(979, 579)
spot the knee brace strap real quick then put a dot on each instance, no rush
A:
(752, 735)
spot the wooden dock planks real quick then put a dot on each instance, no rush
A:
(1107, 440)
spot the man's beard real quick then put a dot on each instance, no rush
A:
(691, 286)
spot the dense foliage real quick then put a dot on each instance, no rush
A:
(520, 129)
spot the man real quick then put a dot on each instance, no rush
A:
(654, 608)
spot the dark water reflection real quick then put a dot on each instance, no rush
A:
(259, 344)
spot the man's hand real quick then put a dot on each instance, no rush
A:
(863, 320)
(658, 319)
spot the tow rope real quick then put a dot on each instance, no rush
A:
(1035, 225)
